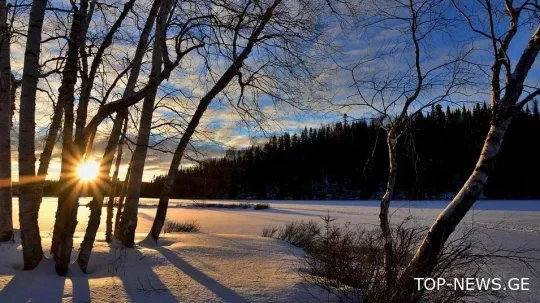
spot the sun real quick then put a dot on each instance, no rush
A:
(88, 171)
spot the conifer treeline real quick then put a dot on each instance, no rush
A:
(339, 161)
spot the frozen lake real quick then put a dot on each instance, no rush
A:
(506, 224)
(510, 215)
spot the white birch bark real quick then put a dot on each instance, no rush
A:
(28, 206)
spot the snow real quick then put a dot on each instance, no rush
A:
(228, 261)
(183, 268)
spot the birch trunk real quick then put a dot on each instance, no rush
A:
(28, 206)
(121, 199)
(115, 189)
(129, 215)
(223, 81)
(384, 221)
(66, 215)
(6, 221)
(426, 257)
(96, 204)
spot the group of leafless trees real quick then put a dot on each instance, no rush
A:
(94, 62)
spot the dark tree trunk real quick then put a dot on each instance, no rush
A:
(121, 198)
(28, 204)
(72, 152)
(114, 141)
(129, 214)
(223, 81)
(96, 204)
(6, 212)
(115, 191)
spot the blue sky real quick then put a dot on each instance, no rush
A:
(387, 54)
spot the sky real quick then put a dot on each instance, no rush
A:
(379, 53)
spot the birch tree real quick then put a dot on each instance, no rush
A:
(28, 208)
(66, 215)
(509, 93)
(58, 110)
(6, 222)
(396, 90)
(115, 189)
(75, 140)
(75, 143)
(276, 33)
(129, 214)
(186, 41)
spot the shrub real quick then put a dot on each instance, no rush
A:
(186, 226)
(244, 205)
(349, 263)
(269, 232)
(261, 206)
(299, 233)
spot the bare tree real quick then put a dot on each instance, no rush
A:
(122, 115)
(6, 222)
(185, 42)
(506, 101)
(115, 187)
(398, 95)
(66, 215)
(120, 122)
(28, 208)
(45, 71)
(129, 214)
(276, 30)
(75, 142)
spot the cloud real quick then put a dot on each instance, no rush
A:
(385, 55)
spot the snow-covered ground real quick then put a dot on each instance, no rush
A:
(228, 261)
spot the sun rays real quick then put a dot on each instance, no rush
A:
(83, 178)
(88, 171)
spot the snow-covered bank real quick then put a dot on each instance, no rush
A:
(228, 261)
(184, 268)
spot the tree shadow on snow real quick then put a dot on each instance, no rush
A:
(144, 284)
(38, 285)
(223, 292)
(134, 269)
(43, 284)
